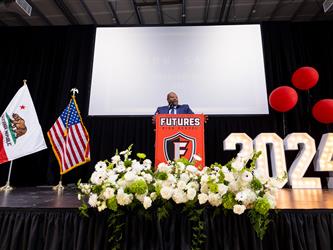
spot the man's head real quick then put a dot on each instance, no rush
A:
(172, 99)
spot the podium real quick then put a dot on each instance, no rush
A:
(179, 136)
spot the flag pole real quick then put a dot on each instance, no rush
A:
(7, 187)
(60, 187)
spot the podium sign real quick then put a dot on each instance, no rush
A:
(179, 136)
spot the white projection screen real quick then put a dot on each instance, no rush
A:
(215, 69)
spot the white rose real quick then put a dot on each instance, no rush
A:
(108, 193)
(140, 197)
(123, 199)
(179, 196)
(229, 177)
(130, 176)
(225, 170)
(163, 167)
(93, 200)
(222, 189)
(191, 193)
(101, 206)
(204, 188)
(202, 198)
(204, 178)
(115, 159)
(234, 186)
(247, 176)
(166, 192)
(215, 199)
(148, 178)
(193, 184)
(147, 202)
(239, 209)
(184, 177)
(153, 196)
(191, 169)
(181, 185)
(197, 157)
(121, 183)
(100, 166)
(171, 179)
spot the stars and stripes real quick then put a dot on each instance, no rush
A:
(70, 139)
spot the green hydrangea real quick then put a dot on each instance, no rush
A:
(161, 176)
(213, 187)
(112, 204)
(138, 187)
(256, 184)
(228, 200)
(262, 206)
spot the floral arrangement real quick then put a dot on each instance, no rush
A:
(126, 183)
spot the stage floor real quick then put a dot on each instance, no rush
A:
(45, 197)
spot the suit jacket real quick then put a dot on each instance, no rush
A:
(180, 109)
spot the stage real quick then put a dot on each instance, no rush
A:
(39, 218)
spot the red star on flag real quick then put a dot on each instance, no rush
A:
(22, 107)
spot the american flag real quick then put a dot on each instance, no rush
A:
(70, 139)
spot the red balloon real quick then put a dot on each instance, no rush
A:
(305, 78)
(322, 111)
(283, 98)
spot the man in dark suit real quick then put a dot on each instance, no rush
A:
(173, 107)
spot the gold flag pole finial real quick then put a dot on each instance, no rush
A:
(25, 81)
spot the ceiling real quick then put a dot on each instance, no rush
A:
(160, 12)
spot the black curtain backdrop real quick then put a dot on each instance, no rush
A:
(58, 58)
(55, 229)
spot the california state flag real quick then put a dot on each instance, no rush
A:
(20, 131)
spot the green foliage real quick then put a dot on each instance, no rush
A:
(185, 161)
(97, 189)
(138, 187)
(141, 156)
(84, 210)
(213, 187)
(163, 210)
(259, 222)
(161, 176)
(112, 204)
(254, 159)
(195, 216)
(228, 200)
(127, 163)
(116, 227)
(262, 206)
(256, 184)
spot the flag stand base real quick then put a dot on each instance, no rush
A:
(6, 188)
(59, 187)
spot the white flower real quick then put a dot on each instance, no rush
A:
(166, 192)
(85, 188)
(179, 196)
(136, 166)
(204, 188)
(120, 168)
(101, 206)
(115, 159)
(140, 197)
(147, 162)
(163, 167)
(153, 196)
(247, 176)
(148, 178)
(229, 177)
(225, 170)
(191, 193)
(197, 157)
(108, 193)
(93, 200)
(113, 178)
(79, 197)
(181, 185)
(214, 199)
(100, 166)
(193, 184)
(202, 198)
(239, 209)
(98, 177)
(237, 165)
(234, 186)
(130, 176)
(147, 202)
(246, 196)
(121, 183)
(171, 179)
(123, 199)
(184, 177)
(204, 178)
(222, 189)
(124, 152)
(181, 166)
(191, 169)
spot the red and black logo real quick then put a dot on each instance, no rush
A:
(178, 146)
